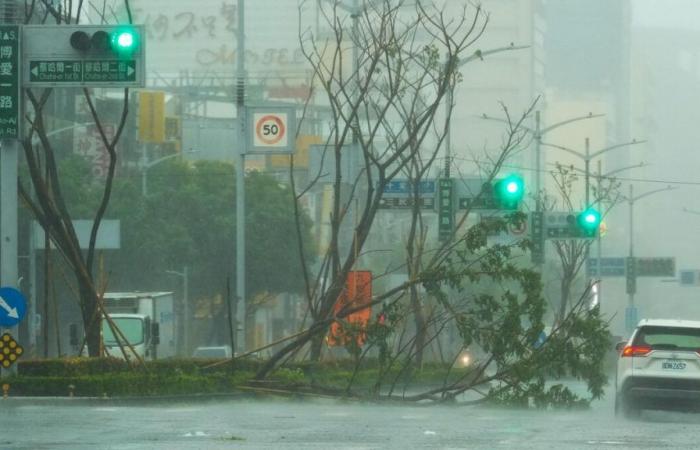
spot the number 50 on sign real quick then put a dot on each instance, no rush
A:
(272, 130)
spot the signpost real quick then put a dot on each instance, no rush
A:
(13, 307)
(9, 82)
(473, 193)
(10, 350)
(272, 130)
(10, 132)
(609, 267)
(632, 267)
(655, 267)
(399, 194)
(58, 72)
(446, 216)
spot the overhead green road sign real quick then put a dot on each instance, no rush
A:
(82, 71)
(109, 71)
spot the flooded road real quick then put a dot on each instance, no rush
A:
(322, 424)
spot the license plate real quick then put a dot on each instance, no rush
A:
(673, 365)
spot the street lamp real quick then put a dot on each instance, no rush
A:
(185, 315)
(450, 96)
(537, 134)
(144, 165)
(588, 156)
(631, 199)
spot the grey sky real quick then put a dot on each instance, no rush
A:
(666, 13)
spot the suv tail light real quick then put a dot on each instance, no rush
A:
(635, 350)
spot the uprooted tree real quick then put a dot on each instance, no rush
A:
(45, 198)
(385, 104)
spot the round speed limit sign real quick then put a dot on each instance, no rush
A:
(270, 130)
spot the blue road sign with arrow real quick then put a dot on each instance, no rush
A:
(13, 306)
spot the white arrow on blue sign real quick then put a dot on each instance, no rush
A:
(13, 306)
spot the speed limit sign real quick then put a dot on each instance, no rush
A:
(272, 130)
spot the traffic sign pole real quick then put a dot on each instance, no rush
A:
(9, 152)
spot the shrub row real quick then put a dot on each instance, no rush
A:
(73, 367)
(124, 385)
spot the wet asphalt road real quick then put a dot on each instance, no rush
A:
(325, 424)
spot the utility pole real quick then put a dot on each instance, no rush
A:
(241, 112)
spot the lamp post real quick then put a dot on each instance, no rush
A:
(184, 318)
(537, 134)
(631, 199)
(450, 96)
(587, 156)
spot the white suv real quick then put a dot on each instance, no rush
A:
(659, 367)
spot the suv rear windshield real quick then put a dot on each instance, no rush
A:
(669, 338)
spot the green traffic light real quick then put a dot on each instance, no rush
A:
(509, 191)
(589, 221)
(124, 41)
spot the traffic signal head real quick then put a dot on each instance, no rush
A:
(589, 222)
(121, 41)
(509, 192)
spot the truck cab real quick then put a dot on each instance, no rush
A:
(137, 329)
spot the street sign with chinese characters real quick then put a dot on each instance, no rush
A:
(474, 193)
(399, 194)
(406, 203)
(446, 216)
(609, 267)
(81, 72)
(9, 82)
(404, 187)
(656, 267)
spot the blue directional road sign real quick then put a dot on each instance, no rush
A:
(609, 267)
(13, 307)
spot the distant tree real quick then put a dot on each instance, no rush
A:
(188, 218)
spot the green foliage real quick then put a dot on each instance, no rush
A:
(122, 385)
(188, 218)
(498, 306)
